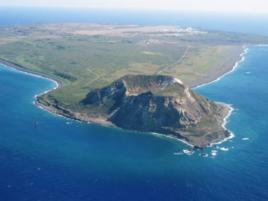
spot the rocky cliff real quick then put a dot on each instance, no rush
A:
(160, 104)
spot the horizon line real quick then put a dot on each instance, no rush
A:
(134, 9)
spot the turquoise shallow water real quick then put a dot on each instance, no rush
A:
(64, 160)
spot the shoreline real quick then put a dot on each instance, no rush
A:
(229, 106)
(235, 66)
(21, 69)
(59, 84)
(224, 123)
(224, 65)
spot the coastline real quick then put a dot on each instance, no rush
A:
(24, 70)
(224, 65)
(229, 106)
(58, 84)
(20, 69)
(224, 123)
(237, 63)
(231, 109)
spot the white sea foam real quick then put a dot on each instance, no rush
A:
(31, 74)
(245, 138)
(242, 59)
(204, 155)
(262, 45)
(178, 153)
(57, 85)
(188, 152)
(224, 148)
(171, 137)
(231, 109)
(214, 153)
(225, 121)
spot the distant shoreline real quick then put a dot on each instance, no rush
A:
(23, 69)
(216, 74)
(233, 68)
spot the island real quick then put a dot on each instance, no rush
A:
(130, 76)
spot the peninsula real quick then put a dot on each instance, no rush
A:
(126, 75)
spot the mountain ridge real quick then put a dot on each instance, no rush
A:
(161, 104)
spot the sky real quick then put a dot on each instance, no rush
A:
(222, 6)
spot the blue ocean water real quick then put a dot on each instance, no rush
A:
(255, 24)
(58, 159)
(64, 160)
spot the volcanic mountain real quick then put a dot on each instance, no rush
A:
(159, 104)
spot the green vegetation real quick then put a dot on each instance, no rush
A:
(84, 57)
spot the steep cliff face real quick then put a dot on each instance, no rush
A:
(159, 104)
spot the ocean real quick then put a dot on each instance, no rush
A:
(212, 21)
(45, 157)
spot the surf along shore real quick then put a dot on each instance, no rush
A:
(213, 76)
(229, 106)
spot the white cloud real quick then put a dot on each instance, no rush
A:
(225, 6)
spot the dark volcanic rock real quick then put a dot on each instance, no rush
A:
(159, 104)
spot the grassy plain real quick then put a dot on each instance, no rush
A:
(83, 57)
